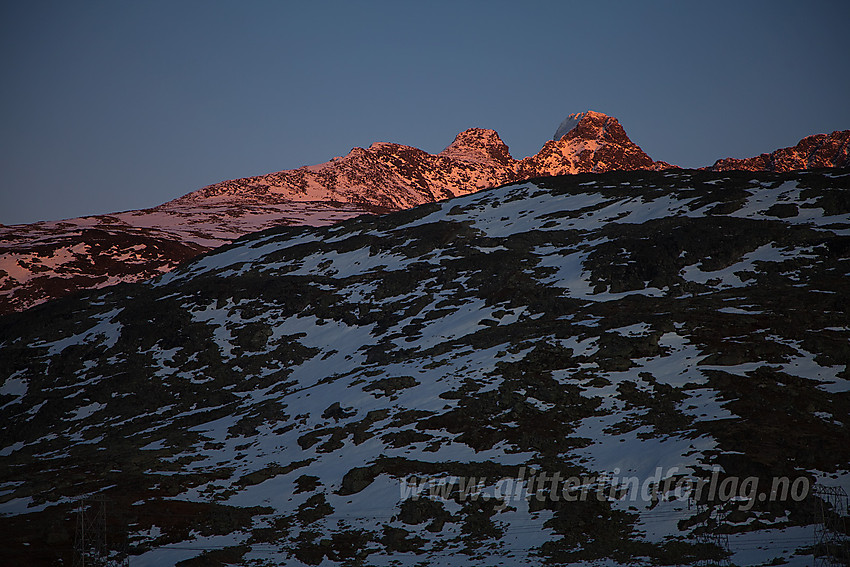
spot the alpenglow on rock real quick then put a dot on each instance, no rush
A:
(47, 260)
(568, 124)
(44, 260)
(812, 152)
(595, 143)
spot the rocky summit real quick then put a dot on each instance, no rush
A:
(622, 368)
(594, 143)
(820, 150)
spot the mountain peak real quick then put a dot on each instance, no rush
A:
(573, 120)
(589, 142)
(478, 145)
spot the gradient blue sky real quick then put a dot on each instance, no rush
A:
(118, 105)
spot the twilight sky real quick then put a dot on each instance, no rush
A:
(117, 105)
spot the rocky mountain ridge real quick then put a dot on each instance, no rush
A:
(45, 260)
(394, 177)
(50, 259)
(812, 152)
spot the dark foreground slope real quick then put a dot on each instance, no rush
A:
(281, 400)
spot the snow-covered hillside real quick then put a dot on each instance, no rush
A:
(591, 346)
(50, 259)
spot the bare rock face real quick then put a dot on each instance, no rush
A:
(389, 176)
(383, 177)
(812, 152)
(479, 145)
(596, 144)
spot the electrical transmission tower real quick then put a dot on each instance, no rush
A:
(831, 538)
(706, 533)
(90, 542)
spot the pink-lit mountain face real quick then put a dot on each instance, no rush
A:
(44, 260)
(49, 259)
(812, 152)
(392, 176)
(384, 177)
(596, 144)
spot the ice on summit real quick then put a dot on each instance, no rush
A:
(568, 124)
(571, 122)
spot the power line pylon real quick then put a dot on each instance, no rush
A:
(91, 548)
(831, 540)
(706, 533)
